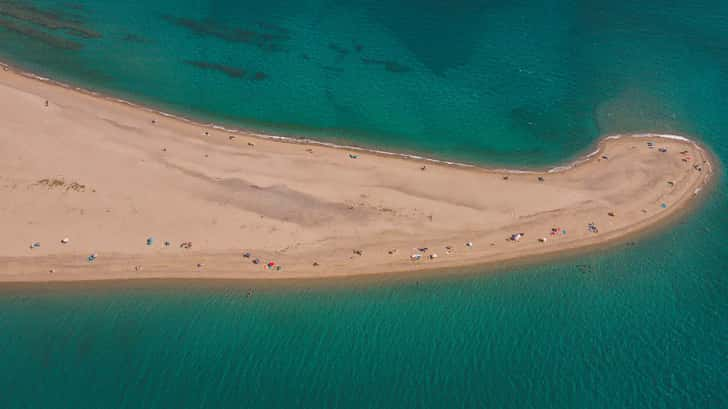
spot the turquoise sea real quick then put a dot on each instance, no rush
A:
(517, 83)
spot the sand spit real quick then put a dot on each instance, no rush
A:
(93, 188)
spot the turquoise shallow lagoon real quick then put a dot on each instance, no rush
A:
(509, 83)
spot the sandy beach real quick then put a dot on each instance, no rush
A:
(93, 189)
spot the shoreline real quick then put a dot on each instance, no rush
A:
(118, 268)
(234, 129)
(348, 281)
(593, 149)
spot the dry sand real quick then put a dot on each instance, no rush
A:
(108, 175)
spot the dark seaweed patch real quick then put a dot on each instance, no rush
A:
(268, 41)
(339, 49)
(274, 47)
(230, 71)
(233, 72)
(274, 37)
(47, 19)
(584, 268)
(42, 36)
(201, 28)
(391, 66)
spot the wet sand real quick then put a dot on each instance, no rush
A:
(108, 176)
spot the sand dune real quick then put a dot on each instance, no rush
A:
(108, 176)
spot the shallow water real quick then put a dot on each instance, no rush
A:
(514, 83)
(507, 83)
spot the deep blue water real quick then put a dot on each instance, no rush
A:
(518, 83)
